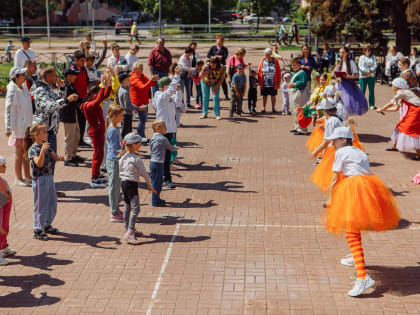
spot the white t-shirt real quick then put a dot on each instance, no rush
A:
(353, 67)
(131, 59)
(351, 161)
(22, 55)
(330, 125)
(341, 110)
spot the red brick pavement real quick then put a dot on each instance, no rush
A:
(241, 234)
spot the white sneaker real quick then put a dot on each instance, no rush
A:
(203, 116)
(348, 261)
(361, 285)
(3, 262)
(21, 183)
(7, 252)
(218, 117)
(192, 98)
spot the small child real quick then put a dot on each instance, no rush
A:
(5, 209)
(45, 198)
(94, 115)
(113, 137)
(238, 86)
(125, 102)
(131, 168)
(285, 110)
(158, 146)
(197, 83)
(252, 90)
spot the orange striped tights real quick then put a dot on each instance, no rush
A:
(354, 240)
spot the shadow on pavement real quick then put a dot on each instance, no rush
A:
(370, 138)
(166, 220)
(188, 204)
(405, 224)
(197, 126)
(71, 186)
(229, 186)
(162, 238)
(90, 240)
(201, 167)
(41, 261)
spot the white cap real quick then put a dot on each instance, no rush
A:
(268, 51)
(400, 83)
(2, 160)
(329, 90)
(131, 138)
(327, 103)
(17, 70)
(341, 132)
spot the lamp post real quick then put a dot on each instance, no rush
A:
(160, 17)
(21, 18)
(209, 16)
(48, 23)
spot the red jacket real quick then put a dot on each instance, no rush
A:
(81, 83)
(277, 75)
(93, 112)
(139, 89)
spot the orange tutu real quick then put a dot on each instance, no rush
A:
(315, 139)
(361, 203)
(356, 141)
(323, 174)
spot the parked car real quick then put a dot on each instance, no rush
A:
(7, 21)
(135, 16)
(122, 25)
(253, 18)
(225, 16)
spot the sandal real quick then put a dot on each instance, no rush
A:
(391, 149)
(50, 230)
(40, 235)
(416, 158)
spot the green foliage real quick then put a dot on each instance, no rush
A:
(240, 6)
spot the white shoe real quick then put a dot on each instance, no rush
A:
(7, 252)
(348, 261)
(192, 98)
(21, 183)
(361, 285)
(218, 117)
(3, 262)
(203, 116)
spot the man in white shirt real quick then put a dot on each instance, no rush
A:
(24, 53)
(131, 56)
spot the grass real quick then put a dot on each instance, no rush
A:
(5, 69)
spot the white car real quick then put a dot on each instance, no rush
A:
(253, 18)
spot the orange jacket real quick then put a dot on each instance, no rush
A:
(277, 76)
(139, 89)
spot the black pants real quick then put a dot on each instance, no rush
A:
(294, 36)
(324, 66)
(252, 98)
(82, 124)
(167, 163)
(127, 125)
(225, 88)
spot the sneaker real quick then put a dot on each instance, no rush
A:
(117, 218)
(7, 252)
(97, 183)
(103, 170)
(71, 163)
(249, 111)
(83, 144)
(50, 230)
(317, 162)
(292, 131)
(3, 262)
(361, 285)
(284, 113)
(22, 183)
(60, 194)
(218, 117)
(169, 184)
(40, 235)
(144, 140)
(203, 116)
(192, 98)
(190, 106)
(78, 159)
(88, 140)
(254, 111)
(289, 113)
(198, 106)
(373, 107)
(103, 178)
(348, 261)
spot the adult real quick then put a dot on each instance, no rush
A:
(294, 30)
(221, 52)
(351, 52)
(139, 95)
(160, 59)
(236, 60)
(327, 58)
(195, 57)
(269, 77)
(47, 106)
(212, 77)
(18, 116)
(91, 42)
(131, 56)
(283, 34)
(367, 73)
(134, 33)
(31, 77)
(116, 59)
(24, 53)
(307, 64)
(408, 75)
(391, 63)
(353, 99)
(185, 63)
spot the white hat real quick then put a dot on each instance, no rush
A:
(341, 133)
(17, 70)
(327, 103)
(2, 160)
(329, 90)
(131, 138)
(400, 83)
(268, 51)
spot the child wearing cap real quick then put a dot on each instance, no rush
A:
(359, 201)
(238, 86)
(252, 90)
(285, 109)
(131, 168)
(5, 209)
(125, 102)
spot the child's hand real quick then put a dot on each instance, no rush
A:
(178, 70)
(312, 156)
(72, 97)
(152, 190)
(155, 78)
(45, 146)
(60, 158)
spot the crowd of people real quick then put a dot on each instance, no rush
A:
(103, 105)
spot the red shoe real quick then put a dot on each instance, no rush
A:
(198, 106)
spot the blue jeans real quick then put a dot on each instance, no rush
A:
(205, 89)
(45, 201)
(199, 97)
(114, 182)
(52, 139)
(161, 75)
(142, 122)
(156, 175)
(186, 83)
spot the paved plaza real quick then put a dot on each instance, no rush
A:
(241, 233)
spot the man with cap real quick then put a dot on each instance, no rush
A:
(24, 53)
(68, 116)
(166, 101)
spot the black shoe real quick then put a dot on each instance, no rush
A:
(293, 130)
(169, 184)
(50, 230)
(227, 98)
(298, 133)
(160, 203)
(373, 107)
(40, 235)
(103, 170)
(79, 159)
(190, 106)
(72, 163)
(84, 144)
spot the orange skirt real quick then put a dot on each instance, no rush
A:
(356, 141)
(361, 203)
(315, 139)
(323, 174)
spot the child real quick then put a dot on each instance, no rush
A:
(238, 86)
(125, 102)
(285, 110)
(181, 109)
(113, 138)
(158, 146)
(5, 209)
(45, 198)
(197, 83)
(252, 90)
(131, 168)
(359, 202)
(296, 86)
(94, 115)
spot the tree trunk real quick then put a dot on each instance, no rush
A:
(402, 32)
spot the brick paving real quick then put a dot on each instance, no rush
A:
(241, 233)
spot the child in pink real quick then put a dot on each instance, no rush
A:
(197, 83)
